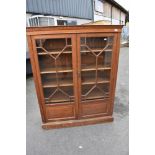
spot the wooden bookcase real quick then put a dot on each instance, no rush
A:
(75, 71)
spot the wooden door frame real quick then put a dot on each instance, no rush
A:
(37, 76)
(115, 60)
(112, 75)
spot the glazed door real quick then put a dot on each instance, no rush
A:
(95, 54)
(55, 57)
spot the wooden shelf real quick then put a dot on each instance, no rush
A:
(63, 83)
(69, 52)
(54, 52)
(109, 44)
(91, 68)
(58, 100)
(92, 81)
(94, 96)
(67, 83)
(69, 69)
(96, 50)
(53, 70)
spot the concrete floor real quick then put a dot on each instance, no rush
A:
(101, 139)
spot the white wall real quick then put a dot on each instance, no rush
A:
(98, 17)
(123, 17)
(105, 16)
(115, 22)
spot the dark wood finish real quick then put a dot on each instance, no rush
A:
(75, 71)
(33, 64)
(73, 29)
(78, 122)
(60, 112)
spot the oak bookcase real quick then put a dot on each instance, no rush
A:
(75, 71)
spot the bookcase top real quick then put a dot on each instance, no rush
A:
(73, 29)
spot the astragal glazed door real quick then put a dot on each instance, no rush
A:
(95, 54)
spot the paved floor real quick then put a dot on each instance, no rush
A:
(100, 139)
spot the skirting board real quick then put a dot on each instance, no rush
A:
(73, 123)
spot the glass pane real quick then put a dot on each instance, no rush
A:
(55, 60)
(64, 94)
(96, 54)
(91, 92)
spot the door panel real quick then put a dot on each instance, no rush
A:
(95, 69)
(55, 63)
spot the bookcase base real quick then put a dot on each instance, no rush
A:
(73, 123)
